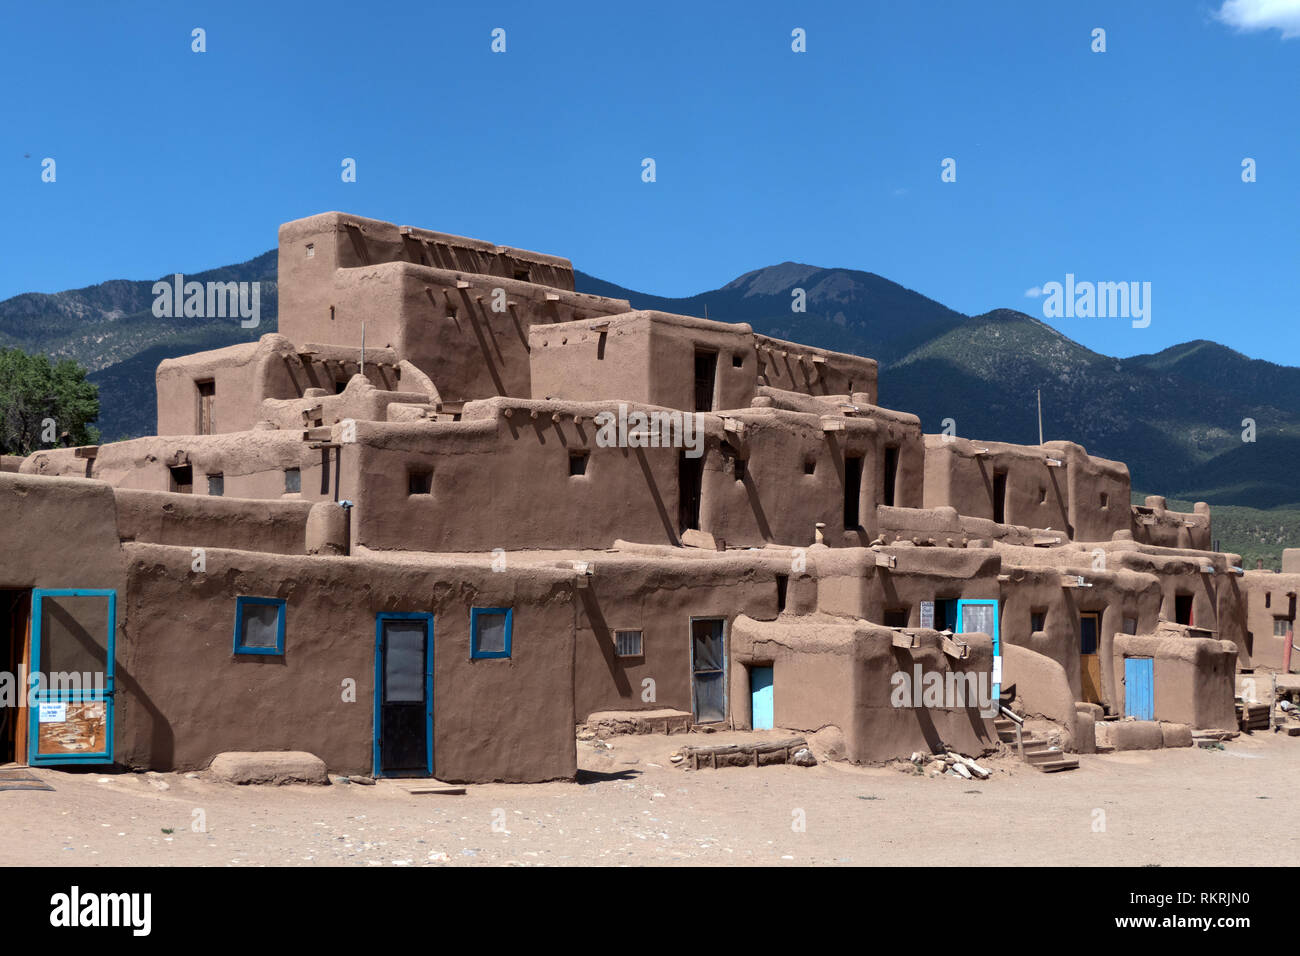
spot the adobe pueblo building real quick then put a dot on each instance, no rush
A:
(519, 509)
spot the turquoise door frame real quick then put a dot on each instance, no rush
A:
(379, 684)
(1140, 688)
(762, 708)
(997, 641)
(39, 696)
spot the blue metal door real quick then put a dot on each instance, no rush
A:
(1140, 688)
(982, 617)
(74, 637)
(760, 691)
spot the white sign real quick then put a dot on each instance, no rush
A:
(997, 669)
(927, 614)
(53, 713)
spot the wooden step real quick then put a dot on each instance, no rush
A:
(1057, 765)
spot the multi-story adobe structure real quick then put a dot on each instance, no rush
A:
(519, 506)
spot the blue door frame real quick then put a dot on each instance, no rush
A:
(1140, 688)
(379, 684)
(47, 696)
(997, 641)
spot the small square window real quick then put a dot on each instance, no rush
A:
(1037, 621)
(1105, 499)
(1280, 626)
(896, 617)
(451, 312)
(737, 360)
(627, 643)
(577, 463)
(292, 481)
(419, 481)
(809, 465)
(182, 479)
(259, 625)
(490, 629)
(217, 484)
(739, 464)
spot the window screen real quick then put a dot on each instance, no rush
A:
(490, 632)
(259, 626)
(404, 664)
(627, 643)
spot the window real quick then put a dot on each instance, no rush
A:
(339, 385)
(739, 464)
(782, 588)
(292, 481)
(1280, 626)
(489, 629)
(896, 617)
(577, 463)
(259, 625)
(1130, 625)
(207, 398)
(1042, 494)
(690, 482)
(627, 643)
(809, 465)
(1037, 621)
(217, 484)
(182, 479)
(737, 360)
(852, 489)
(1000, 497)
(419, 481)
(1105, 500)
(522, 275)
(1183, 609)
(1268, 599)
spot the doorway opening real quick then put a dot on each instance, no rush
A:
(891, 474)
(852, 491)
(1089, 658)
(15, 637)
(690, 482)
(1000, 497)
(706, 373)
(708, 669)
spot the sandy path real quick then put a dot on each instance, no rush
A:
(1235, 806)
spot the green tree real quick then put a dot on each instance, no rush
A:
(35, 392)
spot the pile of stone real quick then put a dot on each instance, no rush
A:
(949, 764)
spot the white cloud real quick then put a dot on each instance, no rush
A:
(1250, 15)
(1033, 293)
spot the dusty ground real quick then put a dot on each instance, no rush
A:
(1235, 806)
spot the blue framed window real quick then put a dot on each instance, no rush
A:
(259, 625)
(489, 632)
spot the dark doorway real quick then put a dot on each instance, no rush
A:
(1000, 497)
(404, 711)
(15, 613)
(183, 479)
(690, 481)
(1183, 609)
(706, 373)
(891, 473)
(852, 490)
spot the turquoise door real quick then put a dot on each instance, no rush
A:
(74, 633)
(760, 692)
(982, 617)
(1140, 688)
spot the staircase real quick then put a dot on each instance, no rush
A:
(1034, 750)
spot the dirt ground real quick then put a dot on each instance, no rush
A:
(1235, 806)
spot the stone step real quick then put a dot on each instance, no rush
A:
(1059, 764)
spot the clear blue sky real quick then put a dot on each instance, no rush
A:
(1123, 165)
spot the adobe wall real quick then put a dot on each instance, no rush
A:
(659, 595)
(252, 463)
(245, 375)
(649, 357)
(1268, 597)
(358, 400)
(1194, 677)
(960, 473)
(828, 672)
(58, 533)
(204, 521)
(185, 697)
(850, 582)
(1155, 524)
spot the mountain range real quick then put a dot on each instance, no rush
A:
(1175, 416)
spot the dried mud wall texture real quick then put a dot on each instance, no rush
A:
(1269, 598)
(203, 521)
(851, 584)
(1042, 688)
(828, 672)
(1154, 524)
(58, 533)
(1085, 497)
(184, 696)
(659, 597)
(1194, 677)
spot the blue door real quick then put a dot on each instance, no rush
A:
(982, 617)
(760, 692)
(74, 634)
(1140, 688)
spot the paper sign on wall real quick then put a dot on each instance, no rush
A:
(927, 614)
(997, 669)
(53, 713)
